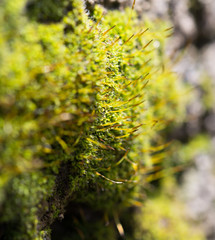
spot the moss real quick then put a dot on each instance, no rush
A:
(23, 197)
(47, 11)
(164, 217)
(82, 103)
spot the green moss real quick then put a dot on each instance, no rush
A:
(48, 10)
(208, 90)
(164, 218)
(23, 197)
(81, 104)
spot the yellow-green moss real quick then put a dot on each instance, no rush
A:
(81, 94)
(164, 217)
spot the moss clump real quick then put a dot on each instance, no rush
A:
(163, 217)
(25, 193)
(81, 104)
(48, 11)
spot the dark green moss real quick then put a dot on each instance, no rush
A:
(23, 197)
(48, 11)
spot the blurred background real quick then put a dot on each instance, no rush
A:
(192, 48)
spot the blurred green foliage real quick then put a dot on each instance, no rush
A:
(48, 11)
(164, 217)
(88, 96)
